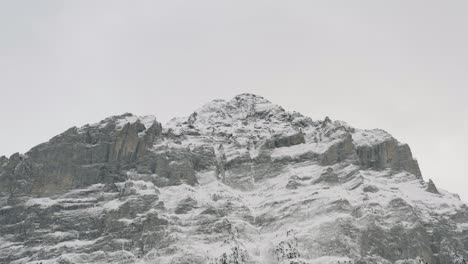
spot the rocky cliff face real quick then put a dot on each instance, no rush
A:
(239, 181)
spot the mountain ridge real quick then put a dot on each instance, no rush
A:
(237, 181)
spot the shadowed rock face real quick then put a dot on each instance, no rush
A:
(239, 181)
(100, 153)
(388, 154)
(431, 187)
(339, 152)
(81, 157)
(285, 141)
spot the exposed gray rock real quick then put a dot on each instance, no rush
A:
(339, 152)
(216, 187)
(388, 154)
(286, 141)
(185, 206)
(431, 187)
(81, 157)
(328, 176)
(293, 184)
(370, 188)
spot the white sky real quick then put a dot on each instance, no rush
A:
(397, 65)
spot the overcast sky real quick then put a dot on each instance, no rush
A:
(397, 65)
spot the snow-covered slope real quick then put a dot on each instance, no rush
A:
(238, 181)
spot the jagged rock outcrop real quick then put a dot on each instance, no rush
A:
(385, 152)
(285, 141)
(431, 187)
(328, 176)
(239, 181)
(82, 157)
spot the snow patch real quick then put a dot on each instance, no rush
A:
(370, 137)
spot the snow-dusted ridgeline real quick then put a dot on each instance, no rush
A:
(238, 181)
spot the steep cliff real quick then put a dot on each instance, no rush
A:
(239, 181)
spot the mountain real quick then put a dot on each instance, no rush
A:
(236, 182)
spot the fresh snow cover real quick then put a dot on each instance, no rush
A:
(121, 121)
(301, 149)
(42, 202)
(113, 204)
(370, 137)
(74, 243)
(266, 197)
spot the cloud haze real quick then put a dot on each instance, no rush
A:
(397, 65)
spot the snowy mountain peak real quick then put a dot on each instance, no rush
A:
(245, 115)
(253, 104)
(241, 181)
(241, 107)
